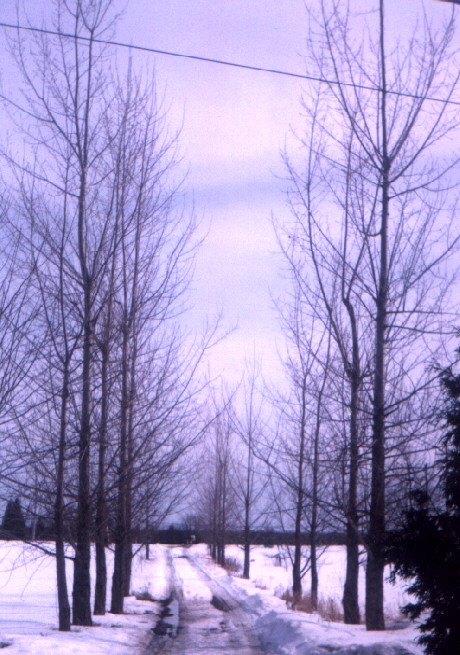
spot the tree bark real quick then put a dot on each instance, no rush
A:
(350, 591)
(100, 588)
(118, 582)
(247, 539)
(375, 558)
(82, 579)
(63, 597)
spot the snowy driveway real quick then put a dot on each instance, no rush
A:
(214, 613)
(211, 616)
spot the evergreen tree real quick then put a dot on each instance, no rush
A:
(13, 523)
(426, 550)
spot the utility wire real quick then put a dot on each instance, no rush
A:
(223, 62)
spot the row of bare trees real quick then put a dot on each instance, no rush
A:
(368, 247)
(98, 400)
(100, 256)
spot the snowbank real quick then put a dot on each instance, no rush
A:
(152, 577)
(285, 632)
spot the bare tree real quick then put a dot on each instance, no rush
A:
(111, 254)
(64, 111)
(374, 208)
(249, 481)
(326, 274)
(216, 495)
(154, 254)
(298, 450)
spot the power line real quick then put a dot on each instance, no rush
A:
(223, 62)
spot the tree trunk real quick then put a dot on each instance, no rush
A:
(127, 567)
(82, 579)
(314, 570)
(100, 590)
(351, 612)
(247, 516)
(247, 545)
(315, 476)
(375, 559)
(63, 597)
(119, 570)
(296, 564)
(313, 532)
(130, 468)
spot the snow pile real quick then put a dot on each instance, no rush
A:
(153, 577)
(285, 632)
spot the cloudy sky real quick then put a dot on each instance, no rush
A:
(235, 124)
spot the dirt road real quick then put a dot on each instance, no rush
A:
(206, 616)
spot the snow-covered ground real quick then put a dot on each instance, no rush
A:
(285, 632)
(271, 569)
(28, 604)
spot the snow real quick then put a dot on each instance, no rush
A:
(28, 607)
(190, 584)
(270, 569)
(286, 632)
(153, 576)
(28, 604)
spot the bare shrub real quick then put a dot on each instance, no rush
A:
(144, 595)
(302, 605)
(231, 565)
(328, 608)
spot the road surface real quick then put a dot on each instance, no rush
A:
(205, 616)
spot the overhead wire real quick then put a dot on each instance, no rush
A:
(223, 62)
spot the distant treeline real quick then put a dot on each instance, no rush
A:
(173, 535)
(14, 527)
(43, 531)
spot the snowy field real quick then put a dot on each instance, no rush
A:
(28, 604)
(270, 569)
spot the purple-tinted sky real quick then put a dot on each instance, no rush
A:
(235, 123)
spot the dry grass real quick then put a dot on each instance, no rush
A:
(232, 565)
(328, 608)
(143, 595)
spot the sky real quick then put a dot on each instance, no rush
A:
(234, 125)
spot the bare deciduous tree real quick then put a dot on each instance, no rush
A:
(250, 482)
(371, 221)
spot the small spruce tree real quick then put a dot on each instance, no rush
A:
(426, 550)
(13, 523)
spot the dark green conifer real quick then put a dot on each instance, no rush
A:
(426, 550)
(13, 523)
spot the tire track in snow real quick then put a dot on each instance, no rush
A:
(211, 619)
